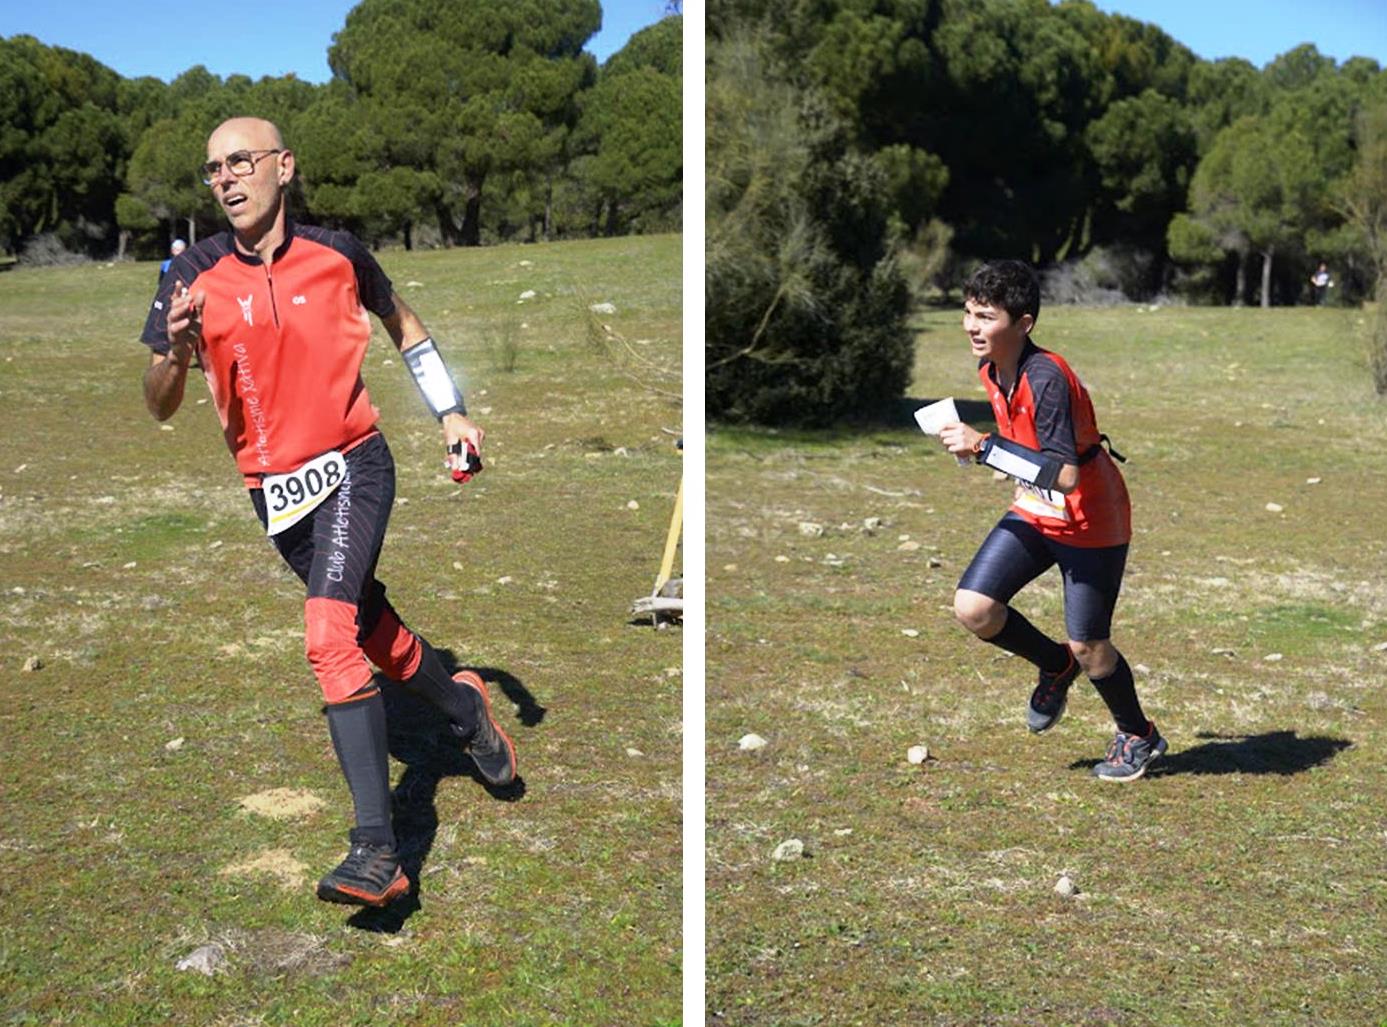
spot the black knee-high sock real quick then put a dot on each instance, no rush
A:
(434, 684)
(1119, 692)
(359, 738)
(1020, 636)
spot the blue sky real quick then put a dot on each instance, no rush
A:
(274, 37)
(1261, 30)
(164, 38)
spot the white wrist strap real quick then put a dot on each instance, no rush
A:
(434, 381)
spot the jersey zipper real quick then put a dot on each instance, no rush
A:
(270, 284)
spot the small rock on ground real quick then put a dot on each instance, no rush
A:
(206, 959)
(787, 850)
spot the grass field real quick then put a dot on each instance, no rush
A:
(166, 778)
(1242, 884)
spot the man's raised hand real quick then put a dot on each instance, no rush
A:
(185, 321)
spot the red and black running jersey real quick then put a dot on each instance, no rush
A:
(1049, 410)
(282, 346)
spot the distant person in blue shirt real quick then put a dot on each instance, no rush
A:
(178, 247)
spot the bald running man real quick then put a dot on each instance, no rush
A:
(275, 315)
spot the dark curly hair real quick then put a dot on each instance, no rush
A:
(1010, 284)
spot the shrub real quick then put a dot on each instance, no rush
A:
(805, 302)
(47, 250)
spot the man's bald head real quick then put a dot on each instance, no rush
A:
(243, 134)
(250, 189)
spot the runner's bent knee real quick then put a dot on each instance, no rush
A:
(980, 614)
(1097, 657)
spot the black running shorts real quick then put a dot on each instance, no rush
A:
(334, 549)
(1014, 554)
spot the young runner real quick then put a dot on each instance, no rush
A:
(275, 315)
(1071, 508)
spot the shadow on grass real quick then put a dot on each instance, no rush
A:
(971, 411)
(421, 739)
(1275, 752)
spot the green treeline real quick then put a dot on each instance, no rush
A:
(862, 153)
(445, 122)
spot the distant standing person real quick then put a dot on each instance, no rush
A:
(1320, 284)
(276, 315)
(178, 247)
(1071, 508)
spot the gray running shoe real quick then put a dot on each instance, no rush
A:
(1050, 697)
(369, 876)
(490, 747)
(1130, 755)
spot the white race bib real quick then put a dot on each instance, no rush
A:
(1041, 502)
(289, 498)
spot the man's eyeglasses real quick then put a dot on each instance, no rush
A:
(241, 163)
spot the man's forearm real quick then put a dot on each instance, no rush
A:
(404, 326)
(164, 381)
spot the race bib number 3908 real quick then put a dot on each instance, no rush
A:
(289, 498)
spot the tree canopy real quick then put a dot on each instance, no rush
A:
(456, 122)
(1050, 132)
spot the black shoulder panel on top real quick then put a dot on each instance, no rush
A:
(1054, 419)
(196, 260)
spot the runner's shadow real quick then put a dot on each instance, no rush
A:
(421, 739)
(528, 710)
(1275, 752)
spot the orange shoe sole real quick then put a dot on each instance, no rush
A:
(474, 680)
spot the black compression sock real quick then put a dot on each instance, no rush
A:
(1020, 636)
(359, 738)
(434, 684)
(1119, 692)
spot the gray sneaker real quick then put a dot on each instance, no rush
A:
(489, 746)
(1130, 755)
(1050, 697)
(369, 876)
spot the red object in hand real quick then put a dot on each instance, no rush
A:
(472, 463)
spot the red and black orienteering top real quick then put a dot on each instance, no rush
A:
(1049, 410)
(282, 346)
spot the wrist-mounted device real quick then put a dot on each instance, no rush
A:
(1017, 461)
(435, 383)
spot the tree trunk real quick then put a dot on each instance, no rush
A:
(613, 219)
(446, 227)
(548, 207)
(123, 240)
(471, 233)
(192, 229)
(1240, 284)
(1266, 276)
(409, 236)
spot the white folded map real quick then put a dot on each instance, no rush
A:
(932, 419)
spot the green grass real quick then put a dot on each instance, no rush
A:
(132, 566)
(1242, 884)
